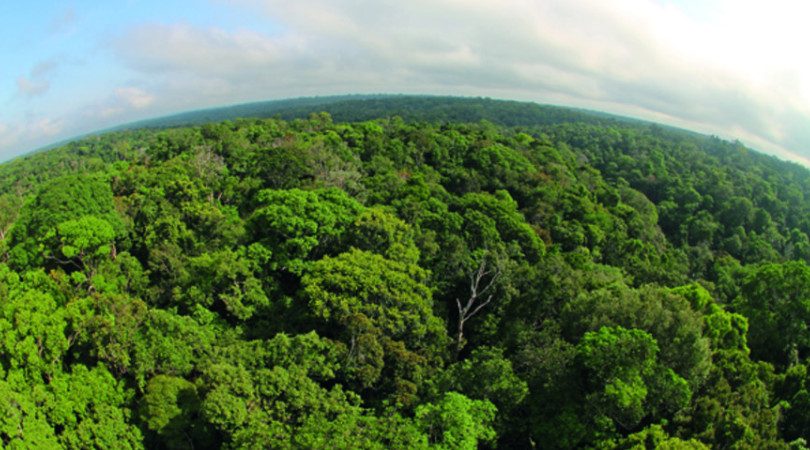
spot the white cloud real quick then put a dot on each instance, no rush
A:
(20, 135)
(134, 97)
(182, 49)
(741, 70)
(124, 102)
(32, 131)
(45, 127)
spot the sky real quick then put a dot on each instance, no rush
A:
(737, 69)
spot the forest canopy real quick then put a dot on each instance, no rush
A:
(419, 273)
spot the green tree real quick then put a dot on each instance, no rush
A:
(774, 298)
(382, 312)
(300, 225)
(66, 201)
(456, 422)
(487, 375)
(170, 409)
(625, 382)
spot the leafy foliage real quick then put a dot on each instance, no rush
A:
(547, 279)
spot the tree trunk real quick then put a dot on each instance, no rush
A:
(473, 306)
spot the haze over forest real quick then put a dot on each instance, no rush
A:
(731, 68)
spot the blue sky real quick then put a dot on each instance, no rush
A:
(57, 61)
(734, 68)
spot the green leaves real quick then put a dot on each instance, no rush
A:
(487, 375)
(170, 409)
(88, 408)
(69, 216)
(492, 221)
(51, 403)
(22, 423)
(85, 238)
(263, 283)
(227, 281)
(383, 314)
(627, 380)
(295, 223)
(33, 333)
(456, 422)
(776, 300)
(270, 394)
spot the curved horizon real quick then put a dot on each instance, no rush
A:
(270, 108)
(694, 65)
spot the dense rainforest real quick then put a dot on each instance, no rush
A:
(405, 273)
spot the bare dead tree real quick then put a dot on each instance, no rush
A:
(208, 167)
(482, 281)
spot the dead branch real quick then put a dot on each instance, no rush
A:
(482, 281)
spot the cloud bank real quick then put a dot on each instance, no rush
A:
(735, 69)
